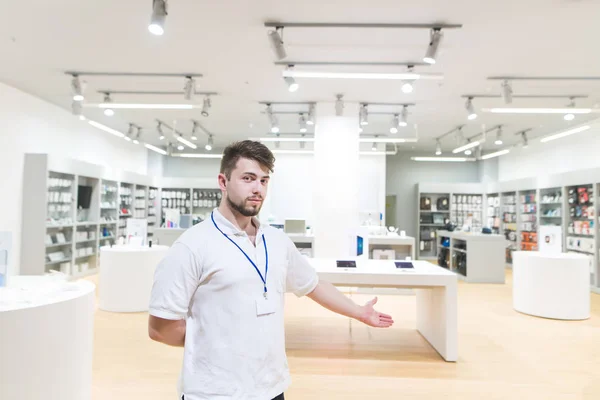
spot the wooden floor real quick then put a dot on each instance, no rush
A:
(502, 354)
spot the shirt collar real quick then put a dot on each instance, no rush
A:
(229, 228)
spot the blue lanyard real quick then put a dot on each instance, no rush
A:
(264, 280)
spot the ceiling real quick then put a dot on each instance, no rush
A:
(227, 43)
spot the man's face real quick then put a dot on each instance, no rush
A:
(245, 192)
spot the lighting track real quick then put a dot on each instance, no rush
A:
(280, 24)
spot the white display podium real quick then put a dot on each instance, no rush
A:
(46, 338)
(436, 290)
(551, 285)
(126, 276)
(404, 246)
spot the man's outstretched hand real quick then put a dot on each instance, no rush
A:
(372, 317)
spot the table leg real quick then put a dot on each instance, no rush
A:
(437, 319)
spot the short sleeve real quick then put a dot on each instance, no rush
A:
(302, 278)
(176, 279)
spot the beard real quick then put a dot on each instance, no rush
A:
(246, 211)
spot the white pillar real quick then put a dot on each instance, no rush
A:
(335, 190)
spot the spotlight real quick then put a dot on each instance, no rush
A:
(374, 146)
(302, 143)
(159, 15)
(363, 115)
(180, 147)
(291, 82)
(432, 49)
(161, 134)
(407, 87)
(209, 144)
(471, 114)
(506, 92)
(77, 88)
(403, 117)
(130, 130)
(570, 116)
(339, 105)
(498, 141)
(438, 148)
(206, 104)
(525, 140)
(77, 108)
(195, 131)
(272, 119)
(468, 152)
(360, 129)
(311, 115)
(302, 123)
(109, 112)
(277, 43)
(189, 88)
(395, 123)
(137, 136)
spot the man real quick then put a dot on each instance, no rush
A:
(219, 292)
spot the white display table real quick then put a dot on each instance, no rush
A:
(46, 339)
(551, 285)
(401, 244)
(435, 287)
(126, 276)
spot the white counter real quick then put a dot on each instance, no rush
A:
(127, 275)
(551, 285)
(485, 255)
(46, 339)
(435, 287)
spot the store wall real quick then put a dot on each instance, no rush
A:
(403, 174)
(31, 125)
(290, 190)
(572, 153)
(488, 170)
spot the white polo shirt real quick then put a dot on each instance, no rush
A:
(230, 352)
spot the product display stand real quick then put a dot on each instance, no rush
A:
(46, 344)
(153, 210)
(434, 213)
(398, 247)
(493, 213)
(475, 257)
(509, 223)
(581, 217)
(527, 216)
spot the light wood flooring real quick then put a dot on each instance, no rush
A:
(502, 354)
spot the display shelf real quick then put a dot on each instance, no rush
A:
(580, 224)
(528, 221)
(467, 209)
(176, 199)
(434, 212)
(204, 201)
(493, 215)
(140, 202)
(60, 199)
(509, 222)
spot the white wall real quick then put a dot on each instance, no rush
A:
(577, 152)
(191, 167)
(31, 125)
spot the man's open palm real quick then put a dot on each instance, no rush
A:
(374, 318)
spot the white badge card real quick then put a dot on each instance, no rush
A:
(265, 305)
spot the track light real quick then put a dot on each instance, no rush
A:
(195, 131)
(570, 116)
(302, 143)
(471, 114)
(277, 43)
(434, 42)
(109, 112)
(131, 129)
(277, 143)
(339, 105)
(189, 88)
(77, 109)
(407, 85)
(374, 147)
(161, 134)
(525, 140)
(360, 129)
(363, 115)
(77, 88)
(302, 123)
(403, 117)
(506, 92)
(438, 148)
(291, 82)
(159, 15)
(180, 147)
(272, 119)
(395, 123)
(311, 115)
(136, 139)
(468, 152)
(206, 104)
(498, 141)
(209, 144)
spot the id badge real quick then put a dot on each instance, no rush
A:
(265, 306)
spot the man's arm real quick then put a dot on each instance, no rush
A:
(332, 299)
(170, 332)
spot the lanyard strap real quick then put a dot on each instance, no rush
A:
(264, 280)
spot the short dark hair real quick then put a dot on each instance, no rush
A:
(249, 149)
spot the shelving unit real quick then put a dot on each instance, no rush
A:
(204, 201)
(126, 191)
(467, 208)
(581, 232)
(493, 214)
(551, 207)
(140, 202)
(527, 216)
(153, 209)
(179, 199)
(509, 222)
(434, 213)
